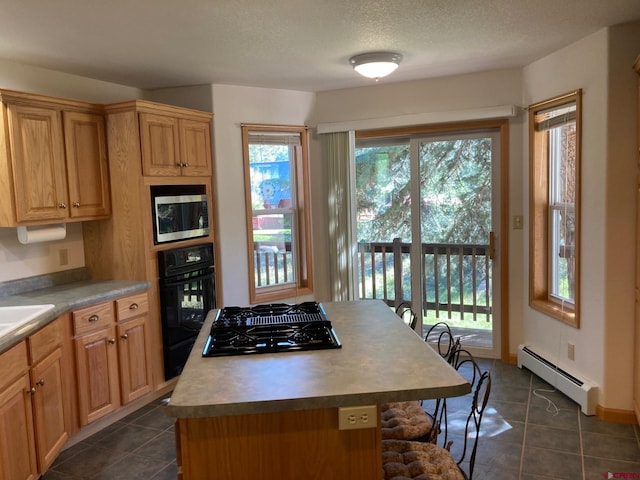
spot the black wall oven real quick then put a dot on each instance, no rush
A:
(187, 293)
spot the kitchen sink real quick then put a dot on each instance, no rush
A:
(13, 317)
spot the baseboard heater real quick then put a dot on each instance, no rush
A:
(581, 391)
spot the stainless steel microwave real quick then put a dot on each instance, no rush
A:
(179, 212)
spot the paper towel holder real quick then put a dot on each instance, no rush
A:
(41, 233)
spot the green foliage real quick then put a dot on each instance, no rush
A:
(455, 208)
(455, 191)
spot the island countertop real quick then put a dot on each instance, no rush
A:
(381, 360)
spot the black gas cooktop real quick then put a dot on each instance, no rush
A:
(269, 328)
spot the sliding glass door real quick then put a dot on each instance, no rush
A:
(438, 252)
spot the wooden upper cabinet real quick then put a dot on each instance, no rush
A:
(160, 139)
(87, 165)
(37, 159)
(174, 141)
(174, 146)
(53, 160)
(195, 147)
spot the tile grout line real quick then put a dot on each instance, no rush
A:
(526, 422)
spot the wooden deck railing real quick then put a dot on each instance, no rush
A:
(273, 263)
(457, 277)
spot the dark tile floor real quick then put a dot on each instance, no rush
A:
(520, 439)
(140, 446)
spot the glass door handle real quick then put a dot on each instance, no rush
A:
(492, 245)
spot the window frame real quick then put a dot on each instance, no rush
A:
(300, 209)
(541, 231)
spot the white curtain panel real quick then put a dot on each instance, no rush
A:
(339, 150)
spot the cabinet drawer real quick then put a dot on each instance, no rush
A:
(132, 306)
(14, 363)
(92, 318)
(45, 341)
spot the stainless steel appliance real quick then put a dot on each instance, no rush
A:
(269, 328)
(179, 212)
(187, 294)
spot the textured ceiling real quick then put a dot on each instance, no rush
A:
(291, 44)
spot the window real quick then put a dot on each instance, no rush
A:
(554, 177)
(277, 202)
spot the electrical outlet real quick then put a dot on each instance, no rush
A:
(571, 350)
(63, 254)
(353, 418)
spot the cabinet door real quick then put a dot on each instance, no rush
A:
(195, 148)
(87, 165)
(37, 158)
(48, 408)
(160, 141)
(17, 445)
(97, 369)
(636, 350)
(135, 367)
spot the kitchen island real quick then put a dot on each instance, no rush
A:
(275, 416)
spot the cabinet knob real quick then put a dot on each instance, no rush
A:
(76, 204)
(31, 391)
(179, 164)
(62, 205)
(40, 382)
(125, 336)
(94, 318)
(112, 341)
(133, 306)
(185, 165)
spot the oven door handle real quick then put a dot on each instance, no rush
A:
(172, 282)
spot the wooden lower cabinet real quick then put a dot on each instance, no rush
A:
(33, 425)
(17, 443)
(48, 408)
(298, 444)
(97, 370)
(112, 355)
(133, 352)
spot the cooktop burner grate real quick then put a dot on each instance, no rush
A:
(270, 328)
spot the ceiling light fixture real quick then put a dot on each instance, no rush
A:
(375, 64)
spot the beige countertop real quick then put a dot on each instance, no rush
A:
(381, 360)
(64, 297)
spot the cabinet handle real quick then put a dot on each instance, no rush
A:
(112, 341)
(40, 382)
(31, 391)
(62, 205)
(125, 336)
(133, 306)
(94, 318)
(76, 204)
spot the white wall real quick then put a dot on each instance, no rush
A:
(21, 261)
(232, 106)
(25, 78)
(581, 65)
(602, 343)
